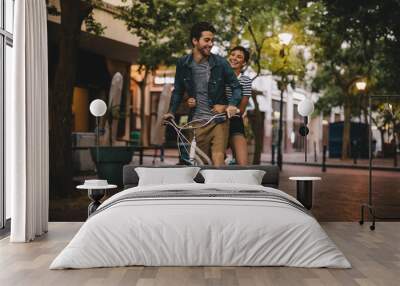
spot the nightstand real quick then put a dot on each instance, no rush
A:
(95, 194)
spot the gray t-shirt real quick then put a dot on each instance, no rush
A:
(201, 75)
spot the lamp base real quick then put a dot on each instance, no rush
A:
(371, 210)
(372, 213)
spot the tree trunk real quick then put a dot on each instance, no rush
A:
(382, 133)
(346, 130)
(73, 13)
(235, 39)
(257, 128)
(365, 112)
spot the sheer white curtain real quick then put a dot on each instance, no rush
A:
(27, 124)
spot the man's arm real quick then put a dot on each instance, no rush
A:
(179, 88)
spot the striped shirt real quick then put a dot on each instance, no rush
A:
(201, 75)
(245, 82)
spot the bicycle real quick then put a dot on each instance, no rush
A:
(196, 155)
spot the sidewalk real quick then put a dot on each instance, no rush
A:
(299, 159)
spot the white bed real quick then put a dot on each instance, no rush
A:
(183, 230)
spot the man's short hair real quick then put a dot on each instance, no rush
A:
(245, 52)
(200, 27)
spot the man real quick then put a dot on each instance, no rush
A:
(203, 76)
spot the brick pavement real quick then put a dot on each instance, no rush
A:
(341, 192)
(298, 157)
(336, 198)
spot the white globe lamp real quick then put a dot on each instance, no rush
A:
(98, 107)
(305, 107)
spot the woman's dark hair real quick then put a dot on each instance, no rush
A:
(200, 27)
(245, 52)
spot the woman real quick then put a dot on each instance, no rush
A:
(238, 58)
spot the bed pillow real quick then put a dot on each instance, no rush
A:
(248, 177)
(166, 176)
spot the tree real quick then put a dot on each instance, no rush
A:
(350, 37)
(285, 62)
(73, 13)
(163, 26)
(163, 30)
(254, 21)
(288, 64)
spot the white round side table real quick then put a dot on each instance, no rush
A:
(95, 194)
(305, 190)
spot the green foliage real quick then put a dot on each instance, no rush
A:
(92, 26)
(158, 25)
(163, 26)
(387, 118)
(353, 41)
(262, 28)
(52, 10)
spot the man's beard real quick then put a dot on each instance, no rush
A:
(205, 51)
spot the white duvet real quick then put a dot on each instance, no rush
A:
(207, 231)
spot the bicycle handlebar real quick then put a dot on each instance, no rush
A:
(215, 116)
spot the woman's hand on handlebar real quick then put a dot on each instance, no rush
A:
(231, 110)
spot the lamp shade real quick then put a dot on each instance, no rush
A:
(305, 107)
(361, 85)
(98, 107)
(285, 38)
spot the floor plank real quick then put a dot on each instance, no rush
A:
(375, 256)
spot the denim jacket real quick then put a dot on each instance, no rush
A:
(221, 75)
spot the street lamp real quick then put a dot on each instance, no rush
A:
(284, 40)
(361, 85)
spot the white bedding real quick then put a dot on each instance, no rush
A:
(200, 231)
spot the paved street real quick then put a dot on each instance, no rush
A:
(298, 157)
(336, 198)
(340, 193)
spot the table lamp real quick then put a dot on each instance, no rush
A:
(97, 108)
(305, 108)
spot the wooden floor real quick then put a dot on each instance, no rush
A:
(375, 257)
